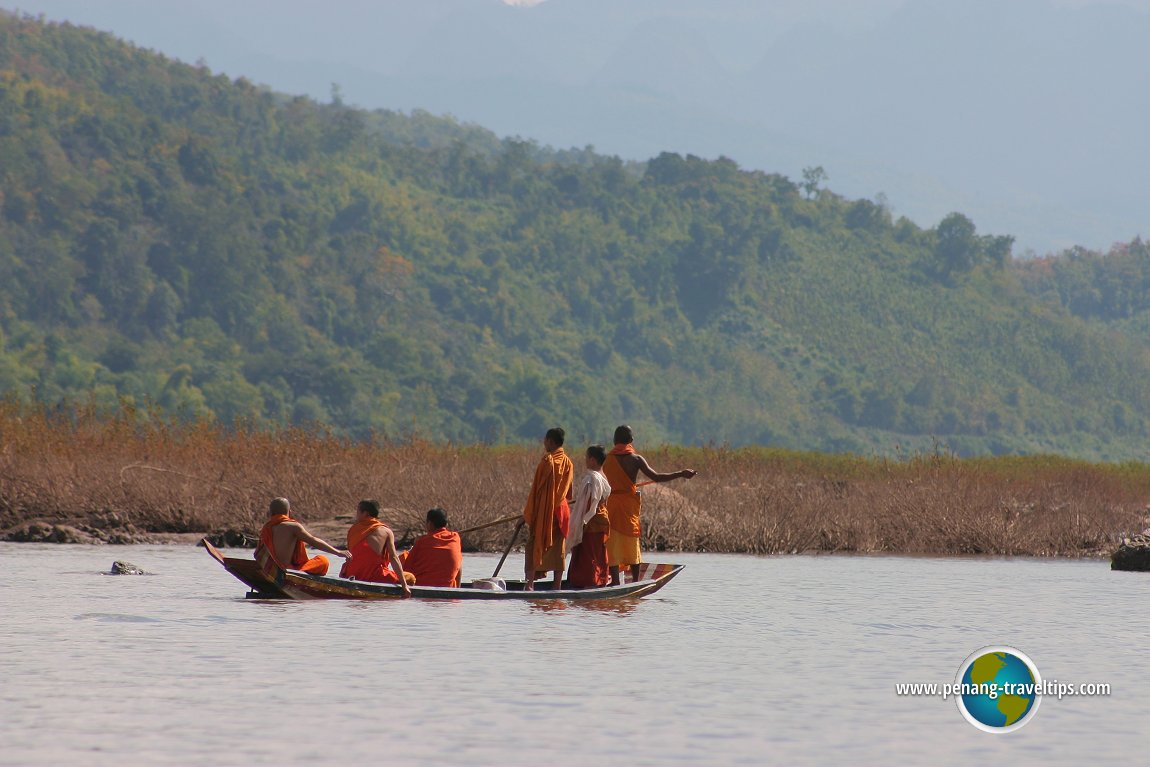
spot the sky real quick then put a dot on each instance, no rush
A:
(1028, 115)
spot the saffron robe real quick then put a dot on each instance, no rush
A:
(547, 514)
(435, 559)
(317, 565)
(365, 564)
(624, 506)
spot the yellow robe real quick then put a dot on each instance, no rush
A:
(623, 508)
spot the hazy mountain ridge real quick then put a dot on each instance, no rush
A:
(1024, 114)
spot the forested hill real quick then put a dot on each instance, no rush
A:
(179, 241)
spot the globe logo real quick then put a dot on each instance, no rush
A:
(1000, 689)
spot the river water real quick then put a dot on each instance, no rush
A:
(739, 660)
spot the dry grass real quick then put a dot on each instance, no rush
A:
(762, 501)
(115, 473)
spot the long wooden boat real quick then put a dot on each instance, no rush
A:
(267, 580)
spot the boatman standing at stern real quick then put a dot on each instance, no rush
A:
(624, 504)
(283, 539)
(548, 512)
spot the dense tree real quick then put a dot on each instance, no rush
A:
(175, 239)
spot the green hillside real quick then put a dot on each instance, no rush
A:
(189, 245)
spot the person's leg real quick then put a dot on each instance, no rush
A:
(317, 565)
(573, 568)
(614, 569)
(558, 582)
(634, 573)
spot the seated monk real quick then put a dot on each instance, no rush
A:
(372, 546)
(283, 538)
(435, 559)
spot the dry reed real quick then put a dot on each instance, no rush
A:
(123, 481)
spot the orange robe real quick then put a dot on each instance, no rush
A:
(317, 565)
(624, 504)
(365, 564)
(436, 559)
(623, 508)
(546, 514)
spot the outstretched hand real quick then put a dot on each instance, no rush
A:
(687, 473)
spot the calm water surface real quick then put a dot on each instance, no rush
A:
(740, 660)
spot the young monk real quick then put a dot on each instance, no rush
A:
(548, 514)
(587, 538)
(624, 504)
(283, 539)
(435, 559)
(372, 546)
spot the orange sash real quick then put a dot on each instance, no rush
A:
(624, 504)
(365, 564)
(267, 540)
(361, 530)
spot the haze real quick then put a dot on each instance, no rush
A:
(1028, 115)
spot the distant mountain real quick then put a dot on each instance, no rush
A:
(1026, 114)
(181, 244)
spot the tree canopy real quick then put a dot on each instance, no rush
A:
(189, 245)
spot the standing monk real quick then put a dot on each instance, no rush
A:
(547, 514)
(372, 547)
(435, 559)
(590, 525)
(283, 539)
(624, 504)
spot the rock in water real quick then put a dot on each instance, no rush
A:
(125, 568)
(1133, 554)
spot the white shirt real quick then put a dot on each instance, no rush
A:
(593, 490)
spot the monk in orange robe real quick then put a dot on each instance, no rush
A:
(590, 525)
(435, 559)
(283, 539)
(624, 505)
(373, 554)
(548, 513)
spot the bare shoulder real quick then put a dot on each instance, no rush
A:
(635, 459)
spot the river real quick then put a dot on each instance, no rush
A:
(739, 660)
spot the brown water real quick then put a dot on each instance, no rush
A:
(740, 660)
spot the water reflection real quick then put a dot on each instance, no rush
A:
(609, 606)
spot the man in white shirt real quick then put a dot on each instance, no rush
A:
(587, 535)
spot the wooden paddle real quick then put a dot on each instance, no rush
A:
(506, 551)
(512, 518)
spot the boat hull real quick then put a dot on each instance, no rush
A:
(268, 581)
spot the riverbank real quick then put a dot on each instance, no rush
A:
(90, 480)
